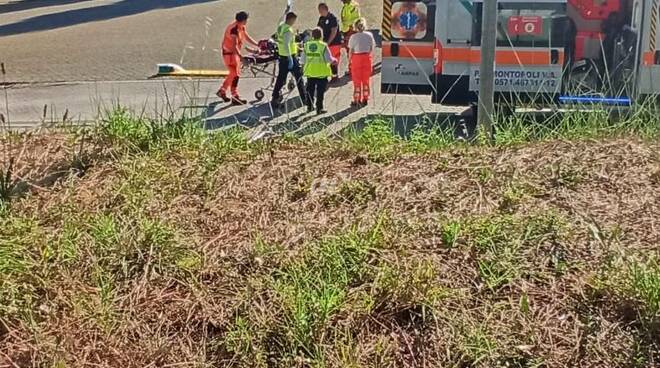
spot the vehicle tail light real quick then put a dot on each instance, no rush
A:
(437, 57)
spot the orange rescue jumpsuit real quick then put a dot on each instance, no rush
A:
(231, 58)
(361, 70)
(361, 66)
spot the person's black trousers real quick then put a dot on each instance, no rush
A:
(316, 88)
(283, 72)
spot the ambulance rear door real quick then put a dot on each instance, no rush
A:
(647, 13)
(530, 49)
(408, 36)
(451, 74)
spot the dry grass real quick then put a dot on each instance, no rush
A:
(538, 255)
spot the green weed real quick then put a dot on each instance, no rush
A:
(355, 192)
(105, 232)
(450, 233)
(128, 246)
(4, 209)
(523, 303)
(68, 244)
(636, 281)
(583, 125)
(308, 292)
(19, 263)
(408, 285)
(644, 281)
(315, 304)
(315, 287)
(523, 128)
(485, 175)
(144, 133)
(268, 251)
(377, 140)
(503, 243)
(144, 178)
(512, 196)
(643, 122)
(240, 338)
(122, 128)
(424, 139)
(514, 131)
(478, 345)
(103, 309)
(220, 146)
(7, 182)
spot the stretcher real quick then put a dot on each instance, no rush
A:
(264, 62)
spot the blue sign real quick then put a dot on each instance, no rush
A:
(408, 20)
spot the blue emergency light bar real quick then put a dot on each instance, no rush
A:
(616, 101)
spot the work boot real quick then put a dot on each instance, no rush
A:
(237, 101)
(223, 96)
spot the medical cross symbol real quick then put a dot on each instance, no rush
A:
(408, 20)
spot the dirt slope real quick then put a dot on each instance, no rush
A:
(295, 254)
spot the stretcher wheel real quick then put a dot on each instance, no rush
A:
(291, 85)
(259, 95)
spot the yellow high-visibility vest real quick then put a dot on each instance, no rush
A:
(282, 49)
(350, 13)
(315, 64)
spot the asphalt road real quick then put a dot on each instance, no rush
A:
(80, 59)
(88, 102)
(119, 40)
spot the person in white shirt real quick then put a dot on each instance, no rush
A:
(361, 47)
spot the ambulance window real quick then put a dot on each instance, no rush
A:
(410, 21)
(527, 25)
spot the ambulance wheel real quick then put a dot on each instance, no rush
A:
(291, 85)
(259, 95)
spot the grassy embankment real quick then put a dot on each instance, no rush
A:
(139, 243)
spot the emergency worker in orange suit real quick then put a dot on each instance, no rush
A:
(361, 47)
(232, 43)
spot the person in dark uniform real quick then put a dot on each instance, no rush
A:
(329, 23)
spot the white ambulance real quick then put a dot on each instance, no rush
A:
(548, 50)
